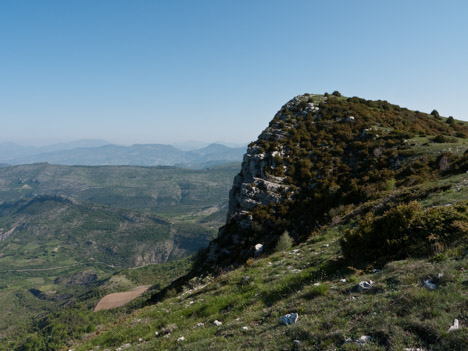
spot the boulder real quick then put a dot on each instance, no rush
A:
(364, 285)
(429, 284)
(455, 326)
(258, 250)
(290, 318)
(364, 339)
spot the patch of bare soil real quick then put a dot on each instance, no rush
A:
(120, 299)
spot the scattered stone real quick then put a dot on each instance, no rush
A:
(429, 284)
(217, 323)
(364, 339)
(123, 347)
(440, 275)
(377, 271)
(245, 328)
(455, 326)
(182, 338)
(258, 250)
(364, 285)
(296, 343)
(170, 329)
(200, 324)
(414, 349)
(140, 339)
(191, 302)
(326, 245)
(156, 333)
(316, 284)
(290, 318)
(343, 280)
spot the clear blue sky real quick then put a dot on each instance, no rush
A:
(169, 71)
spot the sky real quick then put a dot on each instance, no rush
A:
(169, 71)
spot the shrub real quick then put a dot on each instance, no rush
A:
(284, 243)
(444, 139)
(336, 93)
(406, 231)
(435, 113)
(390, 184)
(450, 120)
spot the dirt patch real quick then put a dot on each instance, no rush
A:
(120, 299)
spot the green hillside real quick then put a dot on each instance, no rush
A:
(368, 192)
(168, 190)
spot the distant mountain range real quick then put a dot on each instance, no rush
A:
(99, 152)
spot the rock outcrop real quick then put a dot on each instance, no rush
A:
(260, 182)
(320, 155)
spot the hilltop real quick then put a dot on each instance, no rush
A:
(349, 212)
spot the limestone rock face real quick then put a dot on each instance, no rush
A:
(261, 181)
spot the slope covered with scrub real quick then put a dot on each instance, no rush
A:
(368, 191)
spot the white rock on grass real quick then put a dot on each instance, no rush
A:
(455, 326)
(217, 323)
(364, 285)
(258, 250)
(200, 324)
(290, 318)
(364, 339)
(245, 328)
(343, 280)
(182, 338)
(428, 284)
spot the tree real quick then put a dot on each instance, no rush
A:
(336, 93)
(450, 120)
(284, 243)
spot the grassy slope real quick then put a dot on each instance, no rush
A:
(399, 312)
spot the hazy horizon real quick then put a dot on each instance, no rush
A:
(186, 144)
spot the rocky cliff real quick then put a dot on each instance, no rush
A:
(321, 155)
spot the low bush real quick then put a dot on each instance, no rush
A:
(406, 230)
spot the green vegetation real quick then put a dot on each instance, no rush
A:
(284, 243)
(168, 191)
(407, 231)
(397, 313)
(70, 235)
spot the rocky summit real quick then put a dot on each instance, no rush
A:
(323, 154)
